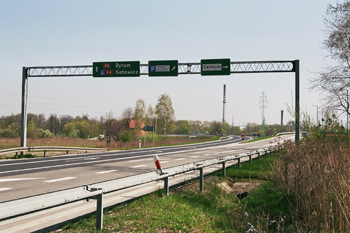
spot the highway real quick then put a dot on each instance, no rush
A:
(29, 177)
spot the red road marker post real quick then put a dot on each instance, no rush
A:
(157, 162)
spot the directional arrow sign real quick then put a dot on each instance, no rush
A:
(215, 67)
(163, 68)
(116, 69)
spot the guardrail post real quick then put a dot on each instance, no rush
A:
(201, 179)
(265, 154)
(166, 185)
(224, 168)
(250, 158)
(16, 155)
(44, 153)
(239, 162)
(99, 212)
(258, 155)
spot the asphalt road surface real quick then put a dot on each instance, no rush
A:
(29, 177)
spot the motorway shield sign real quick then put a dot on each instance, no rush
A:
(163, 68)
(215, 67)
(116, 69)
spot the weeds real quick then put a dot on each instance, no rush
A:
(316, 176)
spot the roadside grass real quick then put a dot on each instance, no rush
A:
(188, 210)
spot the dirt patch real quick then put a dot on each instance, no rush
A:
(228, 186)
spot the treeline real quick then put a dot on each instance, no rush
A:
(86, 127)
(127, 127)
(118, 128)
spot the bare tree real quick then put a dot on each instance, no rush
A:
(335, 80)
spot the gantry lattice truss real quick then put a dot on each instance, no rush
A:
(184, 68)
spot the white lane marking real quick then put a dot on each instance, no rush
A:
(90, 158)
(194, 156)
(197, 152)
(103, 172)
(207, 154)
(180, 159)
(228, 151)
(18, 179)
(4, 189)
(138, 160)
(58, 180)
(164, 161)
(139, 166)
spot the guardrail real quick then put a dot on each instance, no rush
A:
(10, 209)
(48, 148)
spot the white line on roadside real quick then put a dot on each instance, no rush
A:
(62, 179)
(103, 172)
(194, 156)
(207, 154)
(164, 161)
(4, 189)
(139, 166)
(180, 159)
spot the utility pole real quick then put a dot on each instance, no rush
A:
(262, 102)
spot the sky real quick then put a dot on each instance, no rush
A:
(69, 33)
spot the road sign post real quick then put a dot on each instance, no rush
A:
(215, 67)
(116, 69)
(163, 68)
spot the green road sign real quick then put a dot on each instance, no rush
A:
(116, 69)
(215, 67)
(163, 68)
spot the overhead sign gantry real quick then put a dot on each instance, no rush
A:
(161, 68)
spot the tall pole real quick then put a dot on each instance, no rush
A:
(297, 101)
(224, 105)
(24, 107)
(281, 117)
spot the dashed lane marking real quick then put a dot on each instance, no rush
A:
(180, 159)
(194, 156)
(18, 179)
(58, 180)
(103, 172)
(4, 189)
(139, 166)
(139, 160)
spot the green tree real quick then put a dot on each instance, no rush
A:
(184, 128)
(165, 114)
